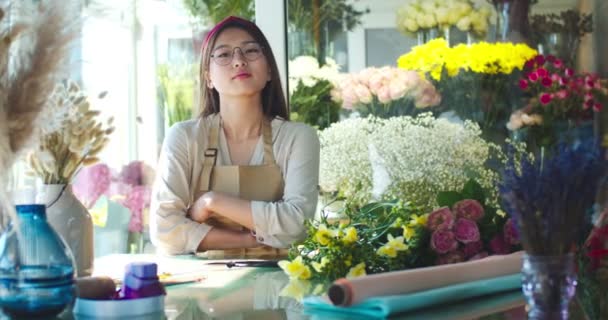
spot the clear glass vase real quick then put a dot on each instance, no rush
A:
(36, 267)
(549, 284)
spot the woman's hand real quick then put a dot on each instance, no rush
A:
(201, 210)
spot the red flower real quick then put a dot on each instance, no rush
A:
(523, 84)
(558, 64)
(551, 58)
(439, 219)
(533, 76)
(542, 72)
(443, 241)
(545, 98)
(539, 59)
(547, 82)
(569, 72)
(597, 107)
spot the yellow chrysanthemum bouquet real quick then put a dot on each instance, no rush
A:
(476, 81)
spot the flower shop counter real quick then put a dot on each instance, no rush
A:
(212, 290)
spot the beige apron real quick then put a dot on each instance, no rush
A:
(261, 183)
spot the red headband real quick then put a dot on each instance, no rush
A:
(231, 20)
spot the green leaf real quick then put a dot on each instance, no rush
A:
(448, 198)
(472, 190)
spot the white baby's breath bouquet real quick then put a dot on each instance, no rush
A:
(407, 158)
(71, 138)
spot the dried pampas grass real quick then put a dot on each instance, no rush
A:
(34, 55)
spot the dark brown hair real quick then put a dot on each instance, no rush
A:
(273, 100)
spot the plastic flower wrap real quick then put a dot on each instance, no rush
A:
(476, 81)
(71, 139)
(385, 92)
(403, 158)
(310, 89)
(91, 183)
(466, 15)
(558, 99)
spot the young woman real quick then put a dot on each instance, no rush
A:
(240, 176)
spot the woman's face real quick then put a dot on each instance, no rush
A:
(238, 66)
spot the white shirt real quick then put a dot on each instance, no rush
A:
(277, 224)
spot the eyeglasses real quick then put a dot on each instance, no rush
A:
(224, 55)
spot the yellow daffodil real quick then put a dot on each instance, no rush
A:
(318, 266)
(324, 235)
(408, 233)
(387, 251)
(417, 220)
(396, 243)
(296, 289)
(350, 235)
(295, 269)
(356, 271)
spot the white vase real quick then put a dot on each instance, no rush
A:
(72, 222)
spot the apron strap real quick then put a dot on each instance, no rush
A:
(267, 135)
(210, 156)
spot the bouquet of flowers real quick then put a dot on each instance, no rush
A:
(385, 92)
(549, 199)
(395, 235)
(403, 158)
(476, 81)
(423, 14)
(70, 139)
(310, 91)
(131, 188)
(558, 100)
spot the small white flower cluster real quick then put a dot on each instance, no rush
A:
(421, 155)
(306, 69)
(466, 15)
(72, 136)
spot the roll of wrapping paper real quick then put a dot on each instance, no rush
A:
(346, 292)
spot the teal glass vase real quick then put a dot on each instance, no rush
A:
(36, 267)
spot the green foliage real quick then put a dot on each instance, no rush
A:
(216, 10)
(373, 223)
(176, 91)
(313, 105)
(332, 13)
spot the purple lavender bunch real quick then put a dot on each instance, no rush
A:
(549, 200)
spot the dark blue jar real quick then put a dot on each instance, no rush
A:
(36, 267)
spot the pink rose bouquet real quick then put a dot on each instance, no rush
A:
(385, 92)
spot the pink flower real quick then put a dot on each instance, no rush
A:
(558, 63)
(468, 208)
(133, 173)
(597, 107)
(545, 98)
(588, 104)
(363, 94)
(466, 230)
(92, 182)
(450, 257)
(533, 76)
(546, 82)
(529, 64)
(569, 72)
(523, 84)
(136, 201)
(498, 245)
(479, 256)
(443, 241)
(510, 232)
(472, 248)
(542, 72)
(562, 94)
(551, 58)
(439, 219)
